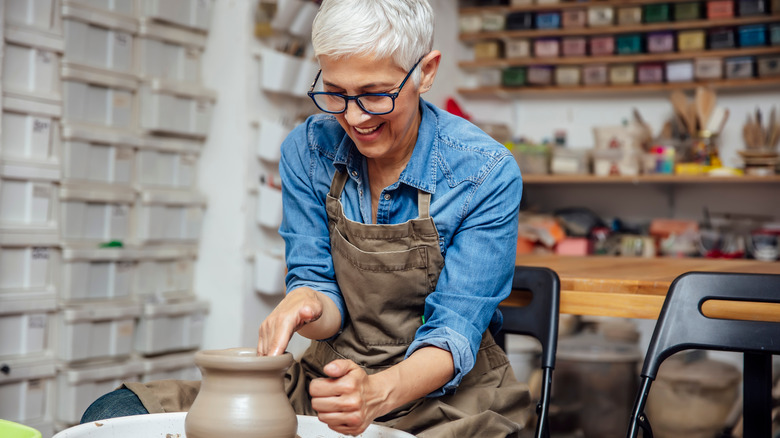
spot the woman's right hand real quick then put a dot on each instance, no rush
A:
(298, 308)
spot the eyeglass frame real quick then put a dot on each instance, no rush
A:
(357, 97)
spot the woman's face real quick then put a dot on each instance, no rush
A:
(379, 137)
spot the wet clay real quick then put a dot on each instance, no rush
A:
(241, 396)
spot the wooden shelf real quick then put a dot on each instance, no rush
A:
(618, 59)
(649, 179)
(506, 92)
(562, 5)
(609, 30)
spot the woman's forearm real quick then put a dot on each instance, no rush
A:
(327, 324)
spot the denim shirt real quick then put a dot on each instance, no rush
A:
(475, 188)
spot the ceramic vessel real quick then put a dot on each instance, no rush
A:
(241, 396)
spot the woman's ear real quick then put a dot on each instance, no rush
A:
(428, 68)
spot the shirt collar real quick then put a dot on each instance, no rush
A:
(420, 171)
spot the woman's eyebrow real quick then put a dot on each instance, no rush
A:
(363, 87)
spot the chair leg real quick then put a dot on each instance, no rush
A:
(638, 417)
(542, 408)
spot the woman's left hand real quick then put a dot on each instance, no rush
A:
(349, 400)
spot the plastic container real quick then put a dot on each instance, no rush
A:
(24, 326)
(169, 108)
(193, 14)
(97, 274)
(532, 159)
(28, 201)
(165, 273)
(169, 53)
(41, 15)
(28, 392)
(176, 366)
(95, 156)
(172, 217)
(567, 161)
(167, 163)
(269, 207)
(609, 162)
(30, 128)
(78, 387)
(29, 271)
(269, 272)
(91, 215)
(169, 327)
(31, 62)
(9, 429)
(99, 98)
(96, 331)
(99, 39)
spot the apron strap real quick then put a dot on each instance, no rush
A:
(423, 204)
(337, 184)
(423, 197)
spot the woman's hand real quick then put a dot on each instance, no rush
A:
(349, 400)
(304, 310)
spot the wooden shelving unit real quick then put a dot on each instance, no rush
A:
(562, 5)
(649, 179)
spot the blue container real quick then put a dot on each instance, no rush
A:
(548, 20)
(629, 44)
(752, 35)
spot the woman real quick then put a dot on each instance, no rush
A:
(400, 224)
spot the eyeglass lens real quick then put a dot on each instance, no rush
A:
(337, 104)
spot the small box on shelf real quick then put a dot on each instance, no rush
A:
(720, 9)
(547, 47)
(629, 15)
(628, 44)
(602, 45)
(752, 35)
(687, 11)
(656, 12)
(708, 68)
(548, 20)
(769, 66)
(517, 48)
(740, 67)
(774, 34)
(600, 16)
(650, 73)
(721, 38)
(574, 18)
(513, 77)
(749, 8)
(622, 74)
(574, 46)
(567, 76)
(540, 75)
(519, 21)
(660, 42)
(690, 40)
(595, 74)
(679, 71)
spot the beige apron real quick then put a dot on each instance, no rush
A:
(385, 273)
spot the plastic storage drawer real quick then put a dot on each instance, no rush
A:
(122, 7)
(97, 331)
(195, 14)
(25, 326)
(89, 215)
(29, 271)
(31, 62)
(100, 99)
(168, 217)
(43, 15)
(99, 39)
(167, 163)
(169, 53)
(98, 156)
(29, 201)
(31, 128)
(78, 387)
(165, 273)
(97, 274)
(27, 389)
(169, 327)
(176, 366)
(175, 109)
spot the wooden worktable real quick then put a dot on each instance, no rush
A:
(633, 287)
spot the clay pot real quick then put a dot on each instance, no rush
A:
(241, 396)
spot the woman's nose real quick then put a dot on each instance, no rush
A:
(355, 114)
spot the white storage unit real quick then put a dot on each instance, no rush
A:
(99, 39)
(91, 215)
(172, 217)
(78, 387)
(269, 135)
(169, 53)
(97, 331)
(166, 163)
(178, 366)
(98, 156)
(28, 271)
(269, 271)
(165, 273)
(169, 108)
(43, 15)
(30, 127)
(25, 326)
(27, 389)
(31, 62)
(123, 7)
(28, 201)
(193, 14)
(97, 274)
(97, 98)
(169, 327)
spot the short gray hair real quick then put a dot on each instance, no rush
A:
(398, 29)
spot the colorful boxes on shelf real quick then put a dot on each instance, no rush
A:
(594, 74)
(488, 50)
(774, 33)
(650, 73)
(679, 71)
(687, 11)
(769, 66)
(547, 47)
(519, 21)
(540, 75)
(708, 68)
(720, 8)
(493, 21)
(752, 35)
(628, 44)
(656, 12)
(629, 16)
(688, 40)
(517, 48)
(740, 67)
(548, 20)
(621, 74)
(574, 46)
(602, 45)
(513, 77)
(574, 18)
(721, 38)
(567, 76)
(600, 16)
(747, 8)
(660, 42)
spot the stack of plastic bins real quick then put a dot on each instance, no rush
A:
(174, 116)
(30, 51)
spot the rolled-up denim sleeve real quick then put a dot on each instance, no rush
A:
(304, 225)
(478, 268)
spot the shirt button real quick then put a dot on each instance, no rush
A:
(387, 196)
(354, 173)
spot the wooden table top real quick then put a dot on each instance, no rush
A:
(635, 287)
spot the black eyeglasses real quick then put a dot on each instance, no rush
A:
(372, 103)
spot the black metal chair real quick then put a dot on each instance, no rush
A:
(682, 326)
(539, 319)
